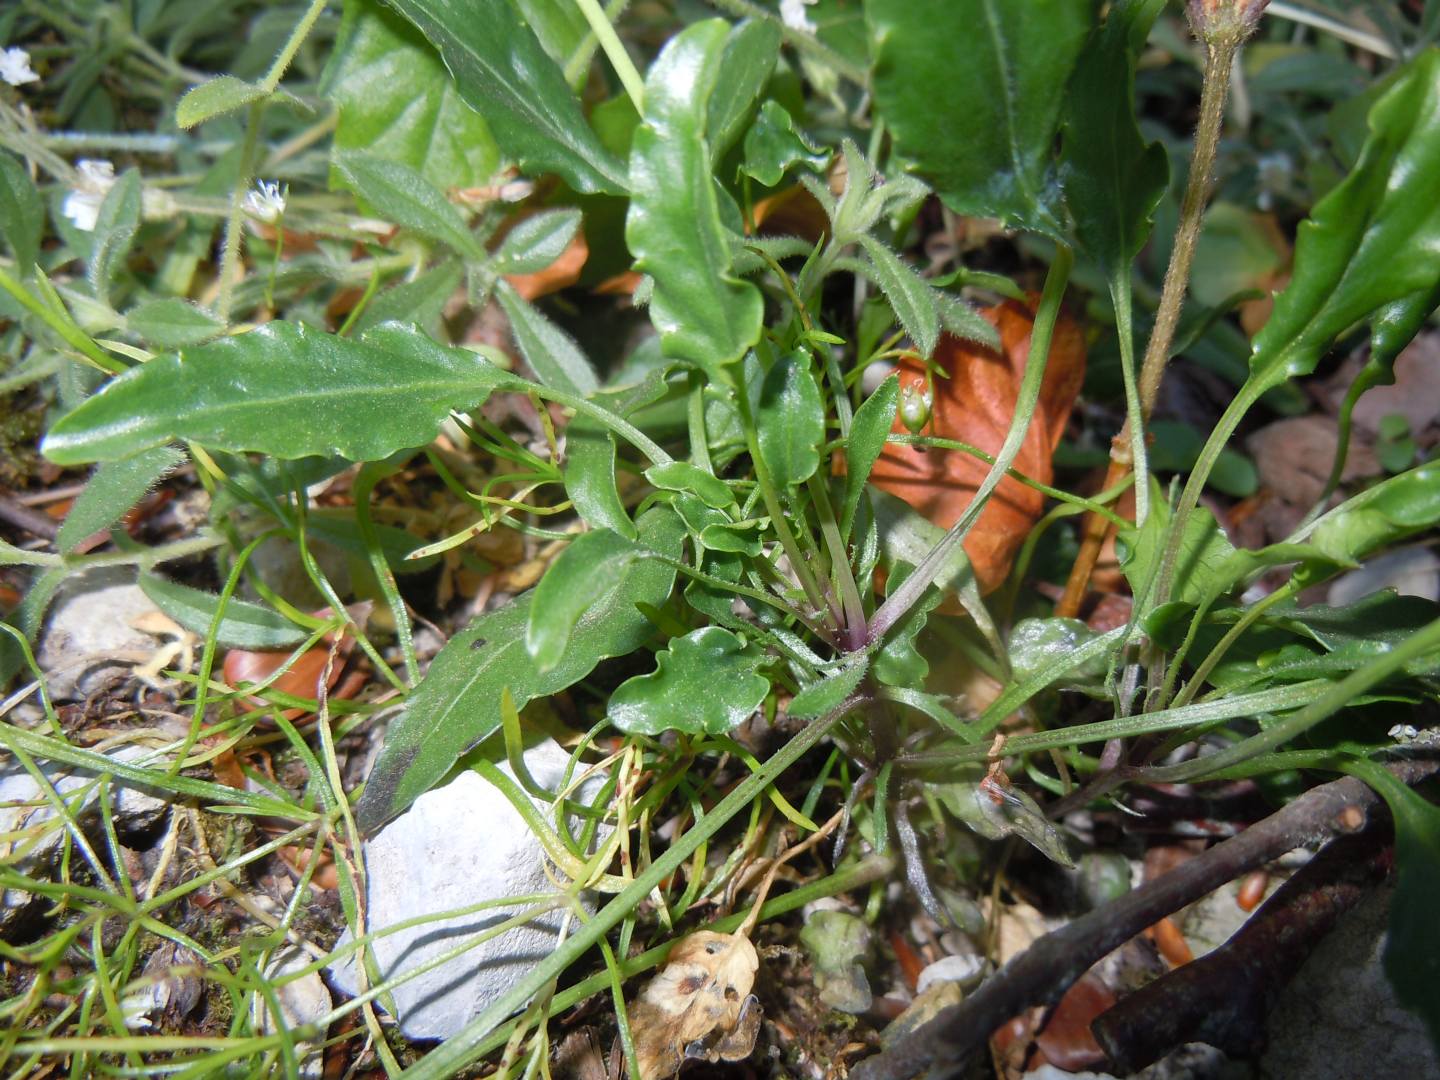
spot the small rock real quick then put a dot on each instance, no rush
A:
(921, 1011)
(303, 1001)
(838, 943)
(88, 641)
(456, 847)
(965, 970)
(24, 807)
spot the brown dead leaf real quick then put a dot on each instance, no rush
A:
(303, 677)
(560, 274)
(975, 405)
(699, 1006)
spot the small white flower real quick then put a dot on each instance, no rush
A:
(82, 205)
(792, 14)
(267, 202)
(15, 67)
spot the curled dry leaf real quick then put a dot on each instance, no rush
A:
(302, 678)
(975, 405)
(699, 1006)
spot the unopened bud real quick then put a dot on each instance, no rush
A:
(916, 402)
(1224, 20)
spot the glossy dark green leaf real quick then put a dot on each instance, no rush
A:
(22, 215)
(576, 581)
(559, 25)
(112, 491)
(773, 147)
(590, 455)
(911, 298)
(751, 50)
(706, 682)
(868, 430)
(733, 539)
(1383, 515)
(221, 95)
(505, 75)
(1113, 178)
(536, 242)
(244, 625)
(898, 662)
(790, 419)
(458, 702)
(683, 476)
(703, 312)
(1371, 241)
(172, 323)
(829, 691)
(395, 100)
(551, 353)
(971, 92)
(285, 389)
(398, 193)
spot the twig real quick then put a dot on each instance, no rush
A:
(32, 521)
(1043, 973)
(1223, 998)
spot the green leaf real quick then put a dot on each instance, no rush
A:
(1039, 645)
(115, 228)
(829, 691)
(22, 215)
(536, 242)
(338, 528)
(898, 662)
(971, 92)
(868, 431)
(112, 491)
(574, 583)
(1383, 515)
(702, 311)
(773, 147)
(1113, 178)
(559, 25)
(287, 390)
(421, 301)
(219, 96)
(243, 626)
(590, 455)
(1203, 553)
(911, 298)
(704, 683)
(790, 419)
(458, 702)
(504, 74)
(172, 323)
(683, 476)
(751, 50)
(995, 812)
(398, 193)
(395, 100)
(551, 353)
(1371, 241)
(1177, 447)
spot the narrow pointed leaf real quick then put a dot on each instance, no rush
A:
(551, 353)
(285, 389)
(868, 431)
(22, 215)
(751, 50)
(112, 491)
(536, 242)
(910, 297)
(244, 625)
(505, 75)
(400, 194)
(217, 97)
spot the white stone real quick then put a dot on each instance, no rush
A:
(965, 970)
(1410, 572)
(302, 1001)
(456, 847)
(24, 807)
(88, 640)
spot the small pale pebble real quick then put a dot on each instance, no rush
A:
(965, 970)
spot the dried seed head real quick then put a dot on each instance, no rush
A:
(1215, 21)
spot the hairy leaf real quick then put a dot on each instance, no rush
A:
(829, 691)
(401, 194)
(115, 487)
(912, 300)
(505, 75)
(22, 215)
(244, 625)
(868, 430)
(536, 242)
(703, 312)
(971, 91)
(705, 683)
(221, 95)
(790, 420)
(458, 703)
(173, 323)
(551, 353)
(285, 389)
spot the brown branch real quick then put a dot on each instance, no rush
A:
(32, 521)
(1224, 997)
(1043, 973)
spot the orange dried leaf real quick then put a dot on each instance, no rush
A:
(975, 405)
(560, 274)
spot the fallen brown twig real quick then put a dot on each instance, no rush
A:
(1223, 998)
(1043, 973)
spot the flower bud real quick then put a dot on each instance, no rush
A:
(916, 401)
(1224, 20)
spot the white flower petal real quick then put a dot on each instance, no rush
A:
(15, 67)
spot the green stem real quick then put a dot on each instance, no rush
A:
(853, 629)
(1336, 698)
(801, 41)
(464, 1047)
(234, 236)
(1122, 298)
(64, 326)
(292, 45)
(615, 52)
(1252, 615)
(910, 590)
